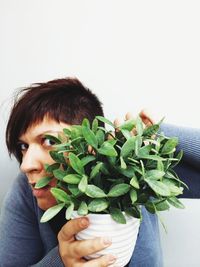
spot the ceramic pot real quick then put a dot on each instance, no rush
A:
(123, 236)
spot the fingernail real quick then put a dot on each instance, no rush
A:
(111, 259)
(107, 241)
(84, 222)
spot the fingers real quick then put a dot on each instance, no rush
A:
(128, 116)
(72, 251)
(103, 261)
(117, 122)
(73, 227)
(146, 117)
(83, 248)
(144, 114)
(91, 150)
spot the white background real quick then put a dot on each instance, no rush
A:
(132, 54)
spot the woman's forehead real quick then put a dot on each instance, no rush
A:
(45, 126)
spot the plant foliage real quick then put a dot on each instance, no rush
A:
(101, 171)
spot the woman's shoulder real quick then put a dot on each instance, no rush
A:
(19, 195)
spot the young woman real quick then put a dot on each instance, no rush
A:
(47, 108)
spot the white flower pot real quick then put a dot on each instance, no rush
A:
(123, 236)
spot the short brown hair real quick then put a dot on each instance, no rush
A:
(64, 100)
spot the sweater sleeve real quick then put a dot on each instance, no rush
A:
(189, 142)
(51, 259)
(189, 167)
(20, 240)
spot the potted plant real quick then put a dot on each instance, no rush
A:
(111, 174)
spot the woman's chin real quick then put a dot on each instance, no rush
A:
(45, 204)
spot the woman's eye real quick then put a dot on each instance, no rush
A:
(48, 142)
(23, 146)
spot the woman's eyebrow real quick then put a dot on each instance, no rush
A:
(39, 135)
(49, 132)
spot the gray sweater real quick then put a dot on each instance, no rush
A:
(24, 241)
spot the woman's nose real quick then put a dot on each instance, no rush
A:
(31, 160)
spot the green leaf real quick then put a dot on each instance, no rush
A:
(123, 163)
(74, 190)
(52, 167)
(51, 212)
(150, 207)
(158, 187)
(69, 211)
(94, 192)
(144, 151)
(161, 221)
(76, 132)
(133, 196)
(174, 176)
(142, 166)
(151, 130)
(154, 174)
(100, 137)
(172, 185)
(128, 147)
(119, 190)
(67, 131)
(112, 141)
(112, 161)
(60, 195)
(117, 215)
(57, 157)
(175, 202)
(107, 149)
(138, 144)
(43, 182)
(128, 125)
(160, 165)
(63, 147)
(83, 209)
(169, 146)
(134, 212)
(95, 125)
(178, 157)
(52, 138)
(59, 174)
(98, 205)
(133, 160)
(83, 183)
(87, 160)
(76, 163)
(104, 169)
(95, 170)
(139, 126)
(142, 197)
(161, 206)
(152, 157)
(72, 178)
(129, 172)
(134, 182)
(86, 123)
(100, 118)
(126, 133)
(89, 137)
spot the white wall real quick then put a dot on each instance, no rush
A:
(133, 54)
(181, 242)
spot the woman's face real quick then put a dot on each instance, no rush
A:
(35, 148)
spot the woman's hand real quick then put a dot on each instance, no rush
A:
(146, 118)
(73, 251)
(144, 115)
